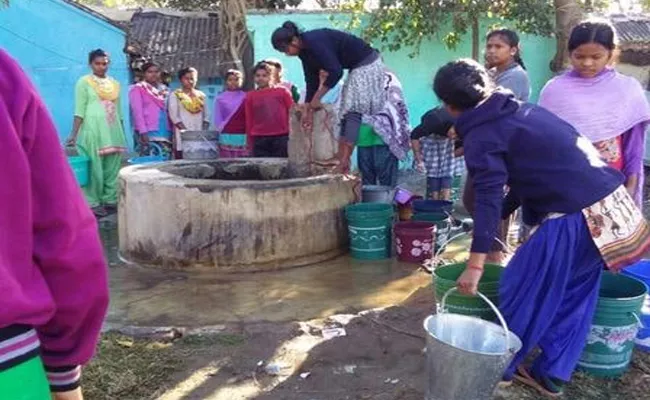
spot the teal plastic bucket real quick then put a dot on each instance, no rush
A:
(641, 271)
(369, 226)
(146, 160)
(81, 167)
(445, 277)
(610, 343)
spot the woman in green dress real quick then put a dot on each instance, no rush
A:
(99, 133)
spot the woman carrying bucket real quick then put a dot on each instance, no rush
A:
(187, 109)
(584, 217)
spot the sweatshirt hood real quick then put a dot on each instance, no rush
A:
(497, 106)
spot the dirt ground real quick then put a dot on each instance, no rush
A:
(380, 358)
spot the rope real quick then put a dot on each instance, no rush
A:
(357, 187)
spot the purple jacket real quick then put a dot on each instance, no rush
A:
(53, 275)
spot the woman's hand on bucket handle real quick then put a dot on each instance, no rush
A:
(468, 281)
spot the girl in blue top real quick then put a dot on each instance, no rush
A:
(584, 217)
(333, 51)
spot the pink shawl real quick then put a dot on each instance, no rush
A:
(159, 96)
(600, 108)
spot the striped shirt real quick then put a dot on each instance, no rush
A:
(20, 343)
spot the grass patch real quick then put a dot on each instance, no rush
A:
(126, 368)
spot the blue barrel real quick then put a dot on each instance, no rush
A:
(641, 271)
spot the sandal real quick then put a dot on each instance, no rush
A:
(504, 384)
(552, 388)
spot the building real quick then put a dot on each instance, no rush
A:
(51, 39)
(634, 59)
(176, 40)
(634, 45)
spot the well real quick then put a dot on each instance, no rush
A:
(231, 215)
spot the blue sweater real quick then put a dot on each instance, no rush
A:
(332, 51)
(547, 164)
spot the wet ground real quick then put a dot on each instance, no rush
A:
(147, 296)
(266, 336)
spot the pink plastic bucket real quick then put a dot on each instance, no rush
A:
(414, 240)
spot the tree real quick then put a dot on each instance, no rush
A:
(407, 23)
(567, 15)
(192, 5)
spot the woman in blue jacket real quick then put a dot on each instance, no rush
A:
(332, 51)
(567, 192)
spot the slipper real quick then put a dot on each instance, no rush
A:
(504, 384)
(545, 386)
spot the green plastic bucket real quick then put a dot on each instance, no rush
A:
(608, 351)
(369, 225)
(444, 278)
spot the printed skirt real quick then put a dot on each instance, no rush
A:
(364, 90)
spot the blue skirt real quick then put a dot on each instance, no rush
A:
(548, 294)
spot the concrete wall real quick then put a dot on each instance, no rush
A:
(51, 39)
(416, 74)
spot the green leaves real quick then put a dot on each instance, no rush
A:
(407, 23)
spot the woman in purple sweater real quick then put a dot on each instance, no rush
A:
(583, 216)
(53, 274)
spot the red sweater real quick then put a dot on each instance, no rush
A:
(267, 112)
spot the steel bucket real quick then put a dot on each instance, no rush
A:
(466, 356)
(377, 194)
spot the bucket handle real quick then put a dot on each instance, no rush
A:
(638, 320)
(216, 146)
(502, 321)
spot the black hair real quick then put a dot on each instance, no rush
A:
(233, 72)
(96, 54)
(145, 67)
(436, 122)
(512, 39)
(186, 71)
(262, 65)
(462, 84)
(593, 31)
(275, 63)
(282, 36)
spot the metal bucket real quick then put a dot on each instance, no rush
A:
(377, 194)
(466, 356)
(200, 145)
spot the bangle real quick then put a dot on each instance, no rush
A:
(476, 267)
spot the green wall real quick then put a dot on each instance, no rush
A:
(416, 74)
